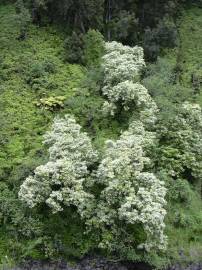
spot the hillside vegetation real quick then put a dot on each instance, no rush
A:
(38, 82)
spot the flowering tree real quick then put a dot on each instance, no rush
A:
(61, 181)
(122, 63)
(131, 194)
(122, 66)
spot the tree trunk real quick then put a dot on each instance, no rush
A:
(108, 18)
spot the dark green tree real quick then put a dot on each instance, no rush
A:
(74, 48)
(23, 19)
(93, 48)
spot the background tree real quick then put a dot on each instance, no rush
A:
(74, 47)
(23, 19)
(127, 22)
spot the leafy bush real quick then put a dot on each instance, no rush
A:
(74, 48)
(180, 149)
(85, 49)
(162, 81)
(37, 70)
(180, 191)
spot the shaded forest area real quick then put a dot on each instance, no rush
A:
(148, 23)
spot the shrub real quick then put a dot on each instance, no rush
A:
(181, 143)
(180, 191)
(93, 48)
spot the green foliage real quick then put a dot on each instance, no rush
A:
(164, 35)
(162, 81)
(34, 64)
(181, 144)
(170, 82)
(180, 191)
(123, 27)
(184, 220)
(125, 21)
(85, 49)
(190, 56)
(93, 48)
(74, 48)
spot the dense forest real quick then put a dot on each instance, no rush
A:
(101, 131)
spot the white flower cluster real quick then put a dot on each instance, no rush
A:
(122, 66)
(67, 140)
(61, 181)
(192, 112)
(129, 193)
(122, 63)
